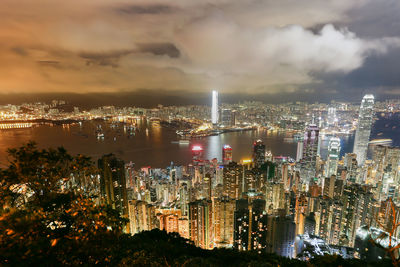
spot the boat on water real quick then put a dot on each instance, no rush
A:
(181, 142)
(381, 142)
(100, 135)
(288, 139)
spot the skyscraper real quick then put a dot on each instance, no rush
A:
(258, 153)
(223, 221)
(113, 182)
(363, 132)
(197, 153)
(331, 116)
(141, 216)
(200, 223)
(226, 117)
(227, 154)
(214, 108)
(250, 225)
(310, 151)
(333, 156)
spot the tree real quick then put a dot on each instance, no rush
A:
(48, 212)
(388, 222)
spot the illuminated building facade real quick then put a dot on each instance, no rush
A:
(258, 153)
(310, 151)
(280, 235)
(226, 117)
(214, 108)
(141, 216)
(223, 221)
(232, 179)
(333, 156)
(197, 153)
(200, 223)
(113, 182)
(250, 225)
(363, 132)
(226, 154)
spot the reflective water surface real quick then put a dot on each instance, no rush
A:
(151, 144)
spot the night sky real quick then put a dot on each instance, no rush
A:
(176, 51)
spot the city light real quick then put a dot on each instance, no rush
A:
(197, 148)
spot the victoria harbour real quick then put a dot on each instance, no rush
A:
(153, 145)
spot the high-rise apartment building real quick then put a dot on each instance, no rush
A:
(223, 221)
(258, 153)
(227, 154)
(142, 216)
(200, 223)
(250, 225)
(113, 182)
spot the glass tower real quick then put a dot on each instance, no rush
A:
(363, 132)
(214, 108)
(333, 156)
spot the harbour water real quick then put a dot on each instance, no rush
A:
(152, 145)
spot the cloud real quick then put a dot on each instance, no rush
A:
(159, 49)
(109, 58)
(255, 46)
(152, 9)
(218, 45)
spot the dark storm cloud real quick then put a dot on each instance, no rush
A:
(159, 49)
(152, 9)
(376, 19)
(49, 63)
(378, 71)
(379, 75)
(19, 51)
(112, 58)
(105, 59)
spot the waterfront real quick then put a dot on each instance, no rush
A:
(151, 144)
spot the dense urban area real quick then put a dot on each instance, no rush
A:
(299, 207)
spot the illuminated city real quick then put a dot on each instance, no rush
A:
(181, 133)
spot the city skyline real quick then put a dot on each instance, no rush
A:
(237, 182)
(201, 133)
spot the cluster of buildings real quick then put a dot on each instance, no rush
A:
(332, 118)
(295, 208)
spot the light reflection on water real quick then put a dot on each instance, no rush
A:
(155, 147)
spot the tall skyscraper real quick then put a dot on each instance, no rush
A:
(333, 156)
(141, 216)
(200, 223)
(331, 116)
(250, 225)
(363, 132)
(258, 153)
(214, 108)
(310, 151)
(223, 221)
(227, 154)
(226, 117)
(197, 153)
(113, 182)
(299, 153)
